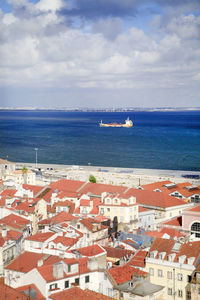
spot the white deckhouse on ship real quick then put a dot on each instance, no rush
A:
(128, 123)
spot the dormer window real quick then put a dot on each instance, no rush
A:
(171, 257)
(181, 259)
(153, 254)
(190, 260)
(161, 255)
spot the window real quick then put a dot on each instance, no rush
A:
(151, 271)
(180, 293)
(102, 211)
(169, 275)
(108, 209)
(180, 276)
(195, 228)
(53, 286)
(87, 278)
(78, 226)
(160, 273)
(188, 295)
(66, 284)
(77, 280)
(69, 268)
(189, 278)
(169, 291)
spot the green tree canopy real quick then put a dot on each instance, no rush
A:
(92, 179)
(24, 170)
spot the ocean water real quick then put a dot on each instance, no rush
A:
(158, 140)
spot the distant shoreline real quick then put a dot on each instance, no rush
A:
(114, 110)
(134, 171)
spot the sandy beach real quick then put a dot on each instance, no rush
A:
(110, 175)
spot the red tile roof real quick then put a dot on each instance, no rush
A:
(13, 220)
(125, 273)
(179, 187)
(65, 241)
(138, 259)
(76, 293)
(8, 192)
(66, 203)
(196, 208)
(46, 271)
(67, 185)
(156, 185)
(67, 194)
(89, 224)
(154, 233)
(91, 250)
(142, 209)
(174, 222)
(33, 188)
(63, 216)
(8, 293)
(40, 237)
(189, 249)
(28, 288)
(172, 232)
(84, 202)
(98, 188)
(25, 262)
(156, 199)
(118, 253)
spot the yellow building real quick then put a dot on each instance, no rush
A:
(172, 264)
(124, 207)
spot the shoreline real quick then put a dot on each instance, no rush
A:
(132, 177)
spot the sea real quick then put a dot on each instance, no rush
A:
(158, 139)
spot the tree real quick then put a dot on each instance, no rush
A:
(92, 179)
(115, 224)
(25, 171)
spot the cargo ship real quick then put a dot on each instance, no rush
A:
(128, 123)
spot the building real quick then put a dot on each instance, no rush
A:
(171, 264)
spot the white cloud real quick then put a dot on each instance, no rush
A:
(42, 51)
(49, 5)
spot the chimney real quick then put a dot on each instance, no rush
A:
(58, 271)
(40, 263)
(4, 232)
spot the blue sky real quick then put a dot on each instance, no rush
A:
(103, 53)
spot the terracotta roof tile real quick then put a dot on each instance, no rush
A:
(196, 208)
(8, 192)
(25, 262)
(63, 216)
(84, 202)
(156, 199)
(138, 259)
(98, 188)
(40, 237)
(125, 273)
(118, 253)
(13, 220)
(46, 271)
(30, 288)
(76, 293)
(174, 222)
(66, 185)
(7, 292)
(91, 250)
(189, 249)
(33, 188)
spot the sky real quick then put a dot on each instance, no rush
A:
(99, 53)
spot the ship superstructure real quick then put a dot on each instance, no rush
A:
(128, 123)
